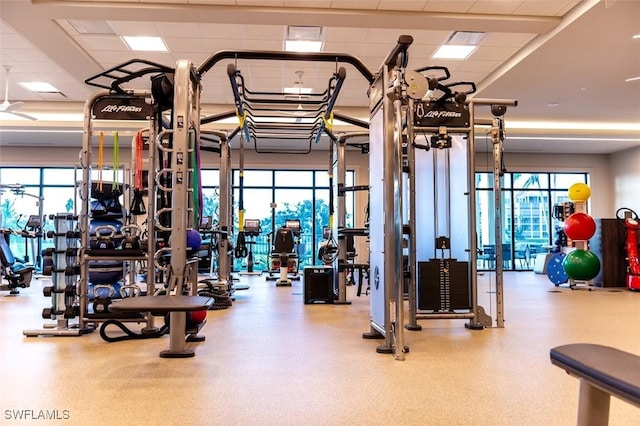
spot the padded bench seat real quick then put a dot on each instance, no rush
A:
(177, 306)
(603, 371)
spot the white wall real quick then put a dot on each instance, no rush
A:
(625, 179)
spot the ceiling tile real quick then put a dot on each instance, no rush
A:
(263, 32)
(217, 2)
(273, 45)
(321, 4)
(412, 5)
(458, 6)
(504, 7)
(134, 28)
(222, 31)
(507, 39)
(179, 44)
(341, 34)
(14, 41)
(354, 4)
(178, 29)
(545, 8)
(493, 53)
(479, 66)
(268, 3)
(101, 42)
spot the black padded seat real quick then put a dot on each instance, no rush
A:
(610, 369)
(602, 372)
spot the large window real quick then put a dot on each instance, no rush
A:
(528, 226)
(272, 196)
(275, 196)
(45, 190)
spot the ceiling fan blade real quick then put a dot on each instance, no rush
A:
(19, 114)
(12, 107)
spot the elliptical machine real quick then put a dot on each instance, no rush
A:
(629, 220)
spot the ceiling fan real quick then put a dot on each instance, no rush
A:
(299, 111)
(10, 108)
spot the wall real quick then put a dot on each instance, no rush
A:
(625, 179)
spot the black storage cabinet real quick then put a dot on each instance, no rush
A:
(318, 284)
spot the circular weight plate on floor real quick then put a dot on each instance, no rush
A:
(555, 271)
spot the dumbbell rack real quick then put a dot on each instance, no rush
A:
(64, 277)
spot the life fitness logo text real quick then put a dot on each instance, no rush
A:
(121, 108)
(443, 114)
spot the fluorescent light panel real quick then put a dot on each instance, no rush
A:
(303, 39)
(472, 38)
(304, 33)
(454, 51)
(145, 44)
(298, 90)
(633, 78)
(303, 46)
(39, 87)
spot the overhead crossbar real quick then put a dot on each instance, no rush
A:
(287, 56)
(113, 78)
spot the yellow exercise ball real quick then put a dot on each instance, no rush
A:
(579, 192)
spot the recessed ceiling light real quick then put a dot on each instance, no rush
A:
(553, 104)
(472, 38)
(633, 78)
(304, 33)
(303, 45)
(146, 44)
(39, 87)
(637, 36)
(90, 27)
(454, 51)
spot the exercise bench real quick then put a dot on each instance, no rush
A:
(177, 307)
(603, 371)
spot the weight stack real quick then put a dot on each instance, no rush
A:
(318, 284)
(443, 285)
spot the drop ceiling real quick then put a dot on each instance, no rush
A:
(565, 61)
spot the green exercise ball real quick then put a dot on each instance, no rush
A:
(582, 265)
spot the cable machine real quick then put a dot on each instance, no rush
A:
(422, 177)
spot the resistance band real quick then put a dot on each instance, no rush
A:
(100, 160)
(137, 205)
(241, 244)
(116, 162)
(194, 142)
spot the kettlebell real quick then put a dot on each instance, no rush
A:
(105, 240)
(101, 302)
(131, 237)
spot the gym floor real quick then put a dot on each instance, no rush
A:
(272, 360)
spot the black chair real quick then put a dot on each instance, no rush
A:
(18, 274)
(522, 254)
(284, 243)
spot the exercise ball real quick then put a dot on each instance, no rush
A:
(579, 192)
(194, 241)
(581, 265)
(579, 226)
(195, 318)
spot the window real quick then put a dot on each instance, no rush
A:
(527, 222)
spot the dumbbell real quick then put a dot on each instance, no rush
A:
(131, 237)
(105, 241)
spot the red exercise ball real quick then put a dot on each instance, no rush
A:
(579, 226)
(196, 317)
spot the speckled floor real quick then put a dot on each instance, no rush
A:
(272, 360)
